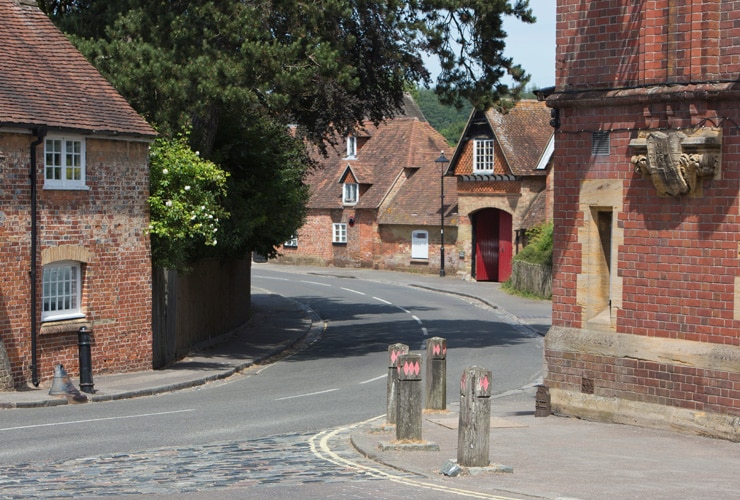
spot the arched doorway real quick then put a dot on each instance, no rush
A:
(492, 245)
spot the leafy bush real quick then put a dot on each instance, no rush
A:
(185, 201)
(539, 248)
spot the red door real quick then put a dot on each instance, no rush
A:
(493, 250)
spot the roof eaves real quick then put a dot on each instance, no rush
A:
(546, 154)
(113, 134)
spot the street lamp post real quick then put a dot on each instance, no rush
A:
(442, 162)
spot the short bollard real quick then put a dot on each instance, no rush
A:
(474, 427)
(86, 377)
(408, 416)
(394, 351)
(436, 374)
(542, 402)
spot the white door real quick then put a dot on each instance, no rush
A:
(419, 245)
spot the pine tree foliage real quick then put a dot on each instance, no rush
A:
(237, 73)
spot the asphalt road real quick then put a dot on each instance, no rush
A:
(338, 380)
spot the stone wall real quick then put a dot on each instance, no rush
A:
(532, 278)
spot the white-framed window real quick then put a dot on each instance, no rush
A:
(62, 291)
(351, 146)
(483, 156)
(350, 193)
(419, 244)
(64, 163)
(292, 242)
(339, 233)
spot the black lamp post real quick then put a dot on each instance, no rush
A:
(442, 162)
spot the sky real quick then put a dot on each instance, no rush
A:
(533, 45)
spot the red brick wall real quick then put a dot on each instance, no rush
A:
(109, 222)
(622, 43)
(368, 245)
(644, 66)
(315, 240)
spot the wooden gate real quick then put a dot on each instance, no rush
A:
(493, 249)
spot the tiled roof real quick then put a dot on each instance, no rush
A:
(523, 134)
(44, 80)
(397, 167)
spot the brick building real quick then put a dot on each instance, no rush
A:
(646, 286)
(376, 201)
(73, 208)
(501, 164)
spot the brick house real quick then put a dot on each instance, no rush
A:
(501, 164)
(646, 285)
(376, 200)
(74, 250)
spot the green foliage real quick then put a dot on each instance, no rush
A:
(323, 65)
(239, 72)
(507, 287)
(539, 246)
(267, 196)
(185, 201)
(448, 120)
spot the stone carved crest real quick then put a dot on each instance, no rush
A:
(676, 161)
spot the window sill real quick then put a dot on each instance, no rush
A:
(64, 325)
(66, 188)
(339, 243)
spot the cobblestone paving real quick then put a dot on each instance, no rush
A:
(281, 459)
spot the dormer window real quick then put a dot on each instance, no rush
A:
(350, 193)
(351, 146)
(483, 156)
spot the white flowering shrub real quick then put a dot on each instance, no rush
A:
(186, 195)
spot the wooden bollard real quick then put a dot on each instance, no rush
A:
(474, 427)
(408, 416)
(394, 351)
(542, 402)
(436, 374)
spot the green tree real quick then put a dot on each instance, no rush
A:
(267, 197)
(449, 120)
(232, 70)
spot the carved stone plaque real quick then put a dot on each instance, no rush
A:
(676, 160)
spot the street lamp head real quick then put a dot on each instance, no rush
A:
(442, 161)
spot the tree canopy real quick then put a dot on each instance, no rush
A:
(239, 72)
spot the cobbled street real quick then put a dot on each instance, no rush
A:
(285, 459)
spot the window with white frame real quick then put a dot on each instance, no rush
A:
(419, 245)
(351, 146)
(64, 163)
(350, 194)
(62, 291)
(339, 233)
(292, 242)
(483, 156)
